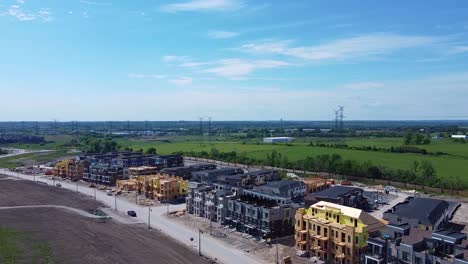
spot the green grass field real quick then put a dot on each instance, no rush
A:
(453, 165)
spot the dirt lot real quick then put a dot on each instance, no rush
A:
(58, 236)
(20, 192)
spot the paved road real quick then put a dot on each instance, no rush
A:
(74, 210)
(211, 247)
(17, 152)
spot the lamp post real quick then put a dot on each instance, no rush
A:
(149, 217)
(115, 202)
(95, 193)
(199, 241)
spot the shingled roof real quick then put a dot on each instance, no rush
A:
(426, 210)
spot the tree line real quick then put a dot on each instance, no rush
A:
(420, 172)
(397, 149)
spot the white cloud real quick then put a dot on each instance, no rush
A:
(363, 85)
(182, 81)
(240, 69)
(219, 34)
(459, 49)
(193, 64)
(20, 2)
(353, 47)
(146, 76)
(96, 3)
(16, 11)
(203, 5)
(174, 58)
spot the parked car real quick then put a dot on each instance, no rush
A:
(132, 213)
(58, 185)
(92, 185)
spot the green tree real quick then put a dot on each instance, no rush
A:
(151, 150)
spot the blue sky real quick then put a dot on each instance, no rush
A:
(233, 59)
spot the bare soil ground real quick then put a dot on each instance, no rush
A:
(22, 192)
(59, 236)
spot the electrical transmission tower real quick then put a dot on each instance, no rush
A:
(209, 129)
(337, 116)
(341, 109)
(201, 130)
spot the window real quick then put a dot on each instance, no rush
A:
(357, 240)
(349, 239)
(404, 256)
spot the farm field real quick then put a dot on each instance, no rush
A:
(453, 165)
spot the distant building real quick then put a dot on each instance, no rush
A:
(342, 195)
(277, 139)
(315, 184)
(212, 175)
(186, 171)
(460, 136)
(141, 171)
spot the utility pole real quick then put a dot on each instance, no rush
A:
(149, 217)
(277, 252)
(337, 113)
(341, 110)
(209, 129)
(199, 241)
(167, 213)
(77, 186)
(136, 197)
(115, 201)
(201, 130)
(95, 192)
(211, 220)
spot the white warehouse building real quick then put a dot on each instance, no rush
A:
(460, 136)
(277, 139)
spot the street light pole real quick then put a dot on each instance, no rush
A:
(115, 201)
(211, 221)
(76, 186)
(277, 252)
(199, 242)
(95, 193)
(149, 217)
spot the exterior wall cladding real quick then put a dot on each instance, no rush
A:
(265, 211)
(108, 168)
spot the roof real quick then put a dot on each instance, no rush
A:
(278, 138)
(372, 223)
(415, 236)
(427, 210)
(335, 192)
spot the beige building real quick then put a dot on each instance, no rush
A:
(334, 232)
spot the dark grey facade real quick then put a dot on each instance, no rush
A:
(343, 195)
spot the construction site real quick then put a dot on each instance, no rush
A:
(36, 219)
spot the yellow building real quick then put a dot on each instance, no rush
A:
(334, 232)
(70, 168)
(161, 186)
(126, 185)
